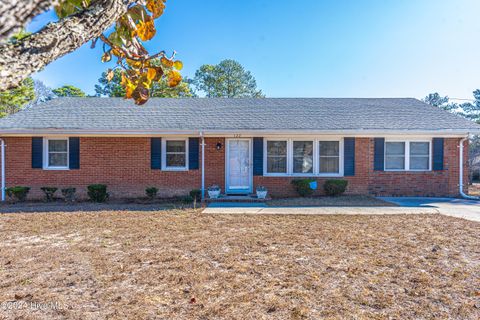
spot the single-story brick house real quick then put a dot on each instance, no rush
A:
(390, 147)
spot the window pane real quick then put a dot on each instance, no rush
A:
(329, 165)
(303, 156)
(277, 156)
(395, 148)
(419, 148)
(176, 160)
(57, 159)
(329, 148)
(277, 164)
(277, 148)
(419, 163)
(176, 146)
(395, 163)
(57, 145)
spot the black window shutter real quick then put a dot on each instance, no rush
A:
(349, 156)
(258, 156)
(378, 154)
(437, 153)
(193, 152)
(74, 153)
(37, 152)
(156, 153)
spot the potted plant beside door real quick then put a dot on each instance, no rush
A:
(261, 192)
(214, 191)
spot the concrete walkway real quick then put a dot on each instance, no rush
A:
(249, 208)
(460, 208)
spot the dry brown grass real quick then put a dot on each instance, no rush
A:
(185, 265)
(340, 201)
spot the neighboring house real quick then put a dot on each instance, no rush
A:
(399, 147)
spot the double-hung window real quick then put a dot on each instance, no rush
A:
(277, 156)
(329, 157)
(395, 155)
(407, 155)
(55, 153)
(419, 155)
(175, 154)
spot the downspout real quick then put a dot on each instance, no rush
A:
(466, 196)
(2, 147)
(203, 165)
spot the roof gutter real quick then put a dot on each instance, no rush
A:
(231, 132)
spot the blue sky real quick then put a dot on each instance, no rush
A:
(313, 48)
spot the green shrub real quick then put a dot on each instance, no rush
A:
(186, 199)
(17, 193)
(49, 193)
(302, 186)
(335, 187)
(151, 192)
(196, 194)
(69, 194)
(97, 192)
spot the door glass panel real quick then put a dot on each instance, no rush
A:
(239, 169)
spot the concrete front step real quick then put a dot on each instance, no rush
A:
(237, 198)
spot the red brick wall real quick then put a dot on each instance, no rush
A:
(382, 183)
(432, 183)
(214, 163)
(124, 165)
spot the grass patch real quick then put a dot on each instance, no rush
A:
(339, 201)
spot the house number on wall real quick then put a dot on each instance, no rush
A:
(237, 135)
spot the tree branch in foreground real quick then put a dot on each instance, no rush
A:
(16, 14)
(19, 60)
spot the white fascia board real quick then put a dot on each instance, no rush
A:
(235, 133)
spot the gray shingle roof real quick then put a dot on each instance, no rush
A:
(319, 114)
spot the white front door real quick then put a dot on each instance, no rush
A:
(239, 173)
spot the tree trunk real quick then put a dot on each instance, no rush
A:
(15, 14)
(19, 60)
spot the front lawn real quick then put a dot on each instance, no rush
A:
(323, 201)
(180, 264)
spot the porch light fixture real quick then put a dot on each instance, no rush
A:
(219, 146)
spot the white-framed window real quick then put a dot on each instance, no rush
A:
(55, 153)
(276, 156)
(302, 151)
(303, 157)
(395, 155)
(419, 155)
(408, 155)
(175, 154)
(329, 157)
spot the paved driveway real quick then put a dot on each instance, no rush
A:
(460, 208)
